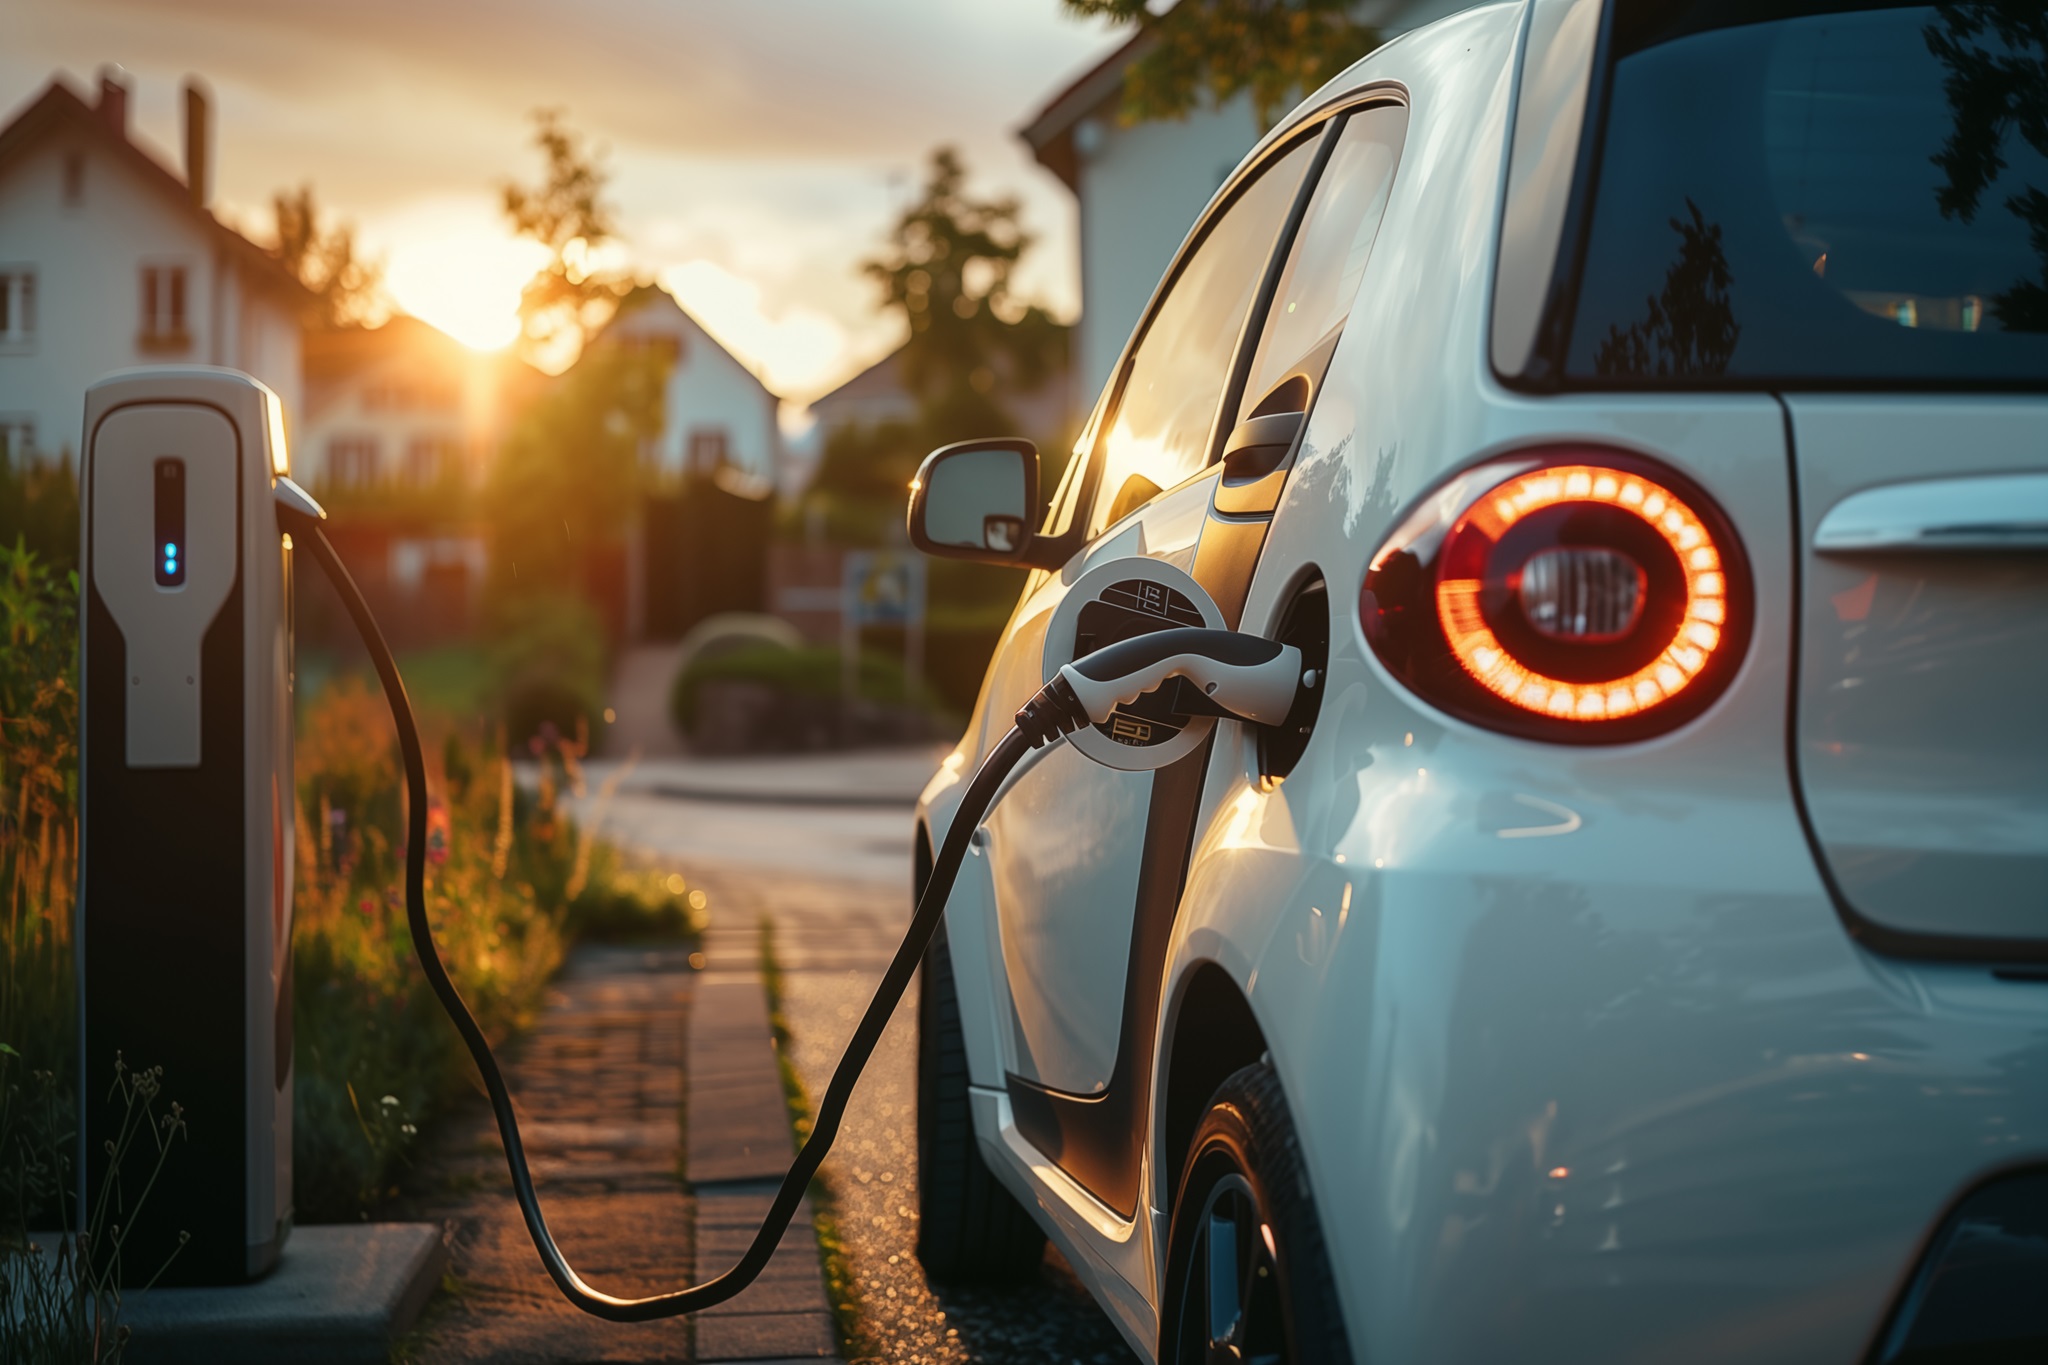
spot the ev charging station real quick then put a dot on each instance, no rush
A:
(186, 816)
(187, 828)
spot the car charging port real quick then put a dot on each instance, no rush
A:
(1305, 624)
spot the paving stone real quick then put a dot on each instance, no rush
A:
(339, 1296)
(763, 1336)
(598, 1085)
(739, 1126)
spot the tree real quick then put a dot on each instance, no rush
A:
(565, 212)
(947, 269)
(568, 478)
(1278, 50)
(348, 290)
(1689, 328)
(1993, 92)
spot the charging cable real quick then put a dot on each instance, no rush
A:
(1232, 670)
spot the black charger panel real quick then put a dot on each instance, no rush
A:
(170, 522)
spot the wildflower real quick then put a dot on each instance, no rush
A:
(437, 831)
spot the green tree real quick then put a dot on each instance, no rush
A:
(566, 212)
(348, 289)
(947, 269)
(568, 477)
(1279, 50)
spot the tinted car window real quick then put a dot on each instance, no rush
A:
(1855, 195)
(1328, 256)
(1160, 434)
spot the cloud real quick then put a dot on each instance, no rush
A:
(772, 140)
(797, 351)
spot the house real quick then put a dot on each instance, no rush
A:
(701, 544)
(1140, 186)
(111, 259)
(874, 396)
(720, 418)
(399, 428)
(403, 405)
(879, 394)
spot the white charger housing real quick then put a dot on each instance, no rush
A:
(186, 807)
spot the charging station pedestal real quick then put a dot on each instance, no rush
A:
(186, 811)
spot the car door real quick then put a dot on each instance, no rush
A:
(1087, 860)
(1922, 737)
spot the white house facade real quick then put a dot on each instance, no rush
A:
(879, 394)
(404, 405)
(109, 259)
(1140, 186)
(719, 418)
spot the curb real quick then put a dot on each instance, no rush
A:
(737, 1150)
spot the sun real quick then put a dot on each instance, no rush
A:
(464, 277)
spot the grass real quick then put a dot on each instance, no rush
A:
(854, 1335)
(512, 882)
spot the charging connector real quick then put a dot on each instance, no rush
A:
(1247, 677)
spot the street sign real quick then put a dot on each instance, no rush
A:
(881, 587)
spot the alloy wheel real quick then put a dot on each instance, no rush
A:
(1231, 1307)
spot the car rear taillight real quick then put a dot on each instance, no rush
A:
(1571, 594)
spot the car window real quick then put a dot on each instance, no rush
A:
(1329, 253)
(1868, 201)
(1160, 433)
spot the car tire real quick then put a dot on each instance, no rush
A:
(970, 1229)
(1243, 1178)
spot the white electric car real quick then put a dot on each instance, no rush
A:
(1634, 945)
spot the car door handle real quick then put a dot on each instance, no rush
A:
(1983, 512)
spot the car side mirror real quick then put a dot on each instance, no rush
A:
(977, 500)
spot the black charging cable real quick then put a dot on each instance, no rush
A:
(1045, 718)
(1247, 677)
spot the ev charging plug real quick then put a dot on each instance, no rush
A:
(1247, 677)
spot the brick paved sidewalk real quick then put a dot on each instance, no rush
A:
(631, 1039)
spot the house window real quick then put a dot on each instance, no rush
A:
(406, 396)
(707, 451)
(163, 308)
(17, 440)
(430, 459)
(74, 179)
(352, 462)
(17, 306)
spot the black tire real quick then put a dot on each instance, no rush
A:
(1243, 1176)
(970, 1229)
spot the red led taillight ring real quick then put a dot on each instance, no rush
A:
(1638, 619)
(1493, 666)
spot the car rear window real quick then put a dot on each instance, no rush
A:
(1858, 194)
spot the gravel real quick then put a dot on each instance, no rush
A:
(832, 941)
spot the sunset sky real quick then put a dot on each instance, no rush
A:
(759, 147)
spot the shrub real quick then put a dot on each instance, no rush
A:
(38, 872)
(548, 653)
(810, 672)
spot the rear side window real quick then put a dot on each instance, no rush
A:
(1856, 195)
(1327, 260)
(1160, 432)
